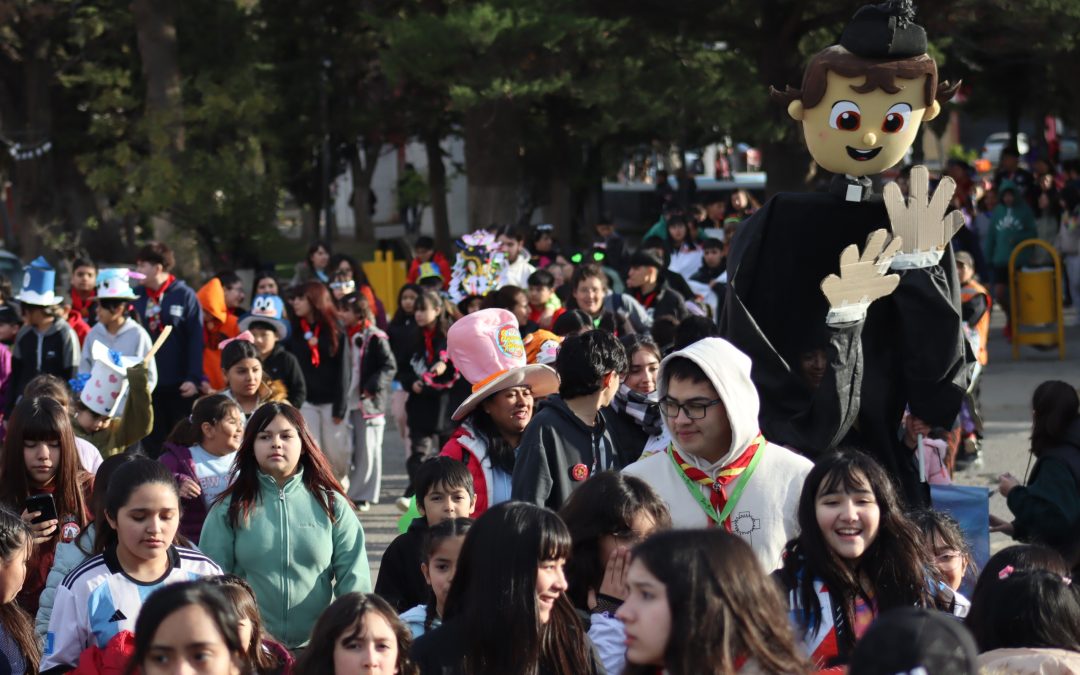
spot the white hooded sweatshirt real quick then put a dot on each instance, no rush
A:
(765, 515)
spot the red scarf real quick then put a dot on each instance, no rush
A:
(429, 346)
(718, 496)
(81, 304)
(311, 335)
(647, 300)
(153, 306)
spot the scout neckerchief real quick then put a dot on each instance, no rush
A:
(647, 300)
(311, 335)
(720, 505)
(153, 306)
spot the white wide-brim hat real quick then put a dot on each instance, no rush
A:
(541, 379)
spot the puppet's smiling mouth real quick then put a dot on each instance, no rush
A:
(862, 155)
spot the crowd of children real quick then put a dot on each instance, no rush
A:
(183, 480)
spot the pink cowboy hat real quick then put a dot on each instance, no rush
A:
(486, 348)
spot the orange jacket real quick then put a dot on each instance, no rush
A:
(218, 324)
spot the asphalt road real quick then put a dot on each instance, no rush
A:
(1007, 386)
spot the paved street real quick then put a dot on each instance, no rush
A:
(1006, 398)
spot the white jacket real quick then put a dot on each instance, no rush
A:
(765, 515)
(517, 273)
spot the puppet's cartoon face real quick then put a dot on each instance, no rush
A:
(863, 134)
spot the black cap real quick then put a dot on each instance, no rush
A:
(9, 314)
(909, 640)
(885, 31)
(643, 258)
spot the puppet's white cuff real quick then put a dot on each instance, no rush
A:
(847, 313)
(916, 260)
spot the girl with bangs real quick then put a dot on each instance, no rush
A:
(318, 342)
(856, 556)
(286, 526)
(40, 458)
(507, 609)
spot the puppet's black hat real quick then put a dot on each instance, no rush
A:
(885, 31)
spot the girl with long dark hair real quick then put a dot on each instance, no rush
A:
(40, 459)
(246, 382)
(634, 415)
(102, 597)
(190, 625)
(856, 556)
(346, 270)
(427, 374)
(507, 611)
(358, 632)
(1047, 506)
(401, 330)
(20, 649)
(70, 555)
(610, 513)
(267, 655)
(442, 547)
(319, 343)
(315, 266)
(699, 602)
(286, 525)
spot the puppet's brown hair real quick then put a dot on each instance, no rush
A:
(880, 74)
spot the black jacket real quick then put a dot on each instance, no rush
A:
(400, 582)
(910, 351)
(428, 412)
(555, 442)
(441, 651)
(663, 301)
(54, 352)
(281, 365)
(377, 368)
(1047, 509)
(329, 382)
(402, 336)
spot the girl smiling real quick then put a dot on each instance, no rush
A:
(855, 557)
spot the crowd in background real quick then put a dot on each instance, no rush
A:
(185, 472)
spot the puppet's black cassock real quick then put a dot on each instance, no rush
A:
(908, 351)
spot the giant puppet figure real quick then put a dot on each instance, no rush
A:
(865, 282)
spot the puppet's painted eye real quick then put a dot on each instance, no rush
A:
(845, 115)
(896, 119)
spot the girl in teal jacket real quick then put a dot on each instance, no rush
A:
(286, 526)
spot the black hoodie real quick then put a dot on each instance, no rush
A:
(555, 442)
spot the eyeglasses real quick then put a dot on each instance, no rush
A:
(694, 410)
(947, 557)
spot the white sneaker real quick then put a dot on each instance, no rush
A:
(363, 507)
(403, 504)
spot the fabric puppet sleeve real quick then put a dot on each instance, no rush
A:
(928, 300)
(793, 415)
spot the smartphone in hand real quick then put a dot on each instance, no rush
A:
(43, 503)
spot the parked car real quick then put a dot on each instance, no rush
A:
(996, 142)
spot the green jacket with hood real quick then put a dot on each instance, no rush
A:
(295, 558)
(1009, 225)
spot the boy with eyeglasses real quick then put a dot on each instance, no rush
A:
(719, 471)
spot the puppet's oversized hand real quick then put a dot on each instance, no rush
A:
(862, 278)
(921, 222)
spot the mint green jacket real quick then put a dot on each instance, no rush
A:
(295, 558)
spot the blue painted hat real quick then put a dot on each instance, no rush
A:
(268, 309)
(39, 284)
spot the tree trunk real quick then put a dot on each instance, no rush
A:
(155, 26)
(437, 190)
(35, 196)
(492, 141)
(362, 162)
